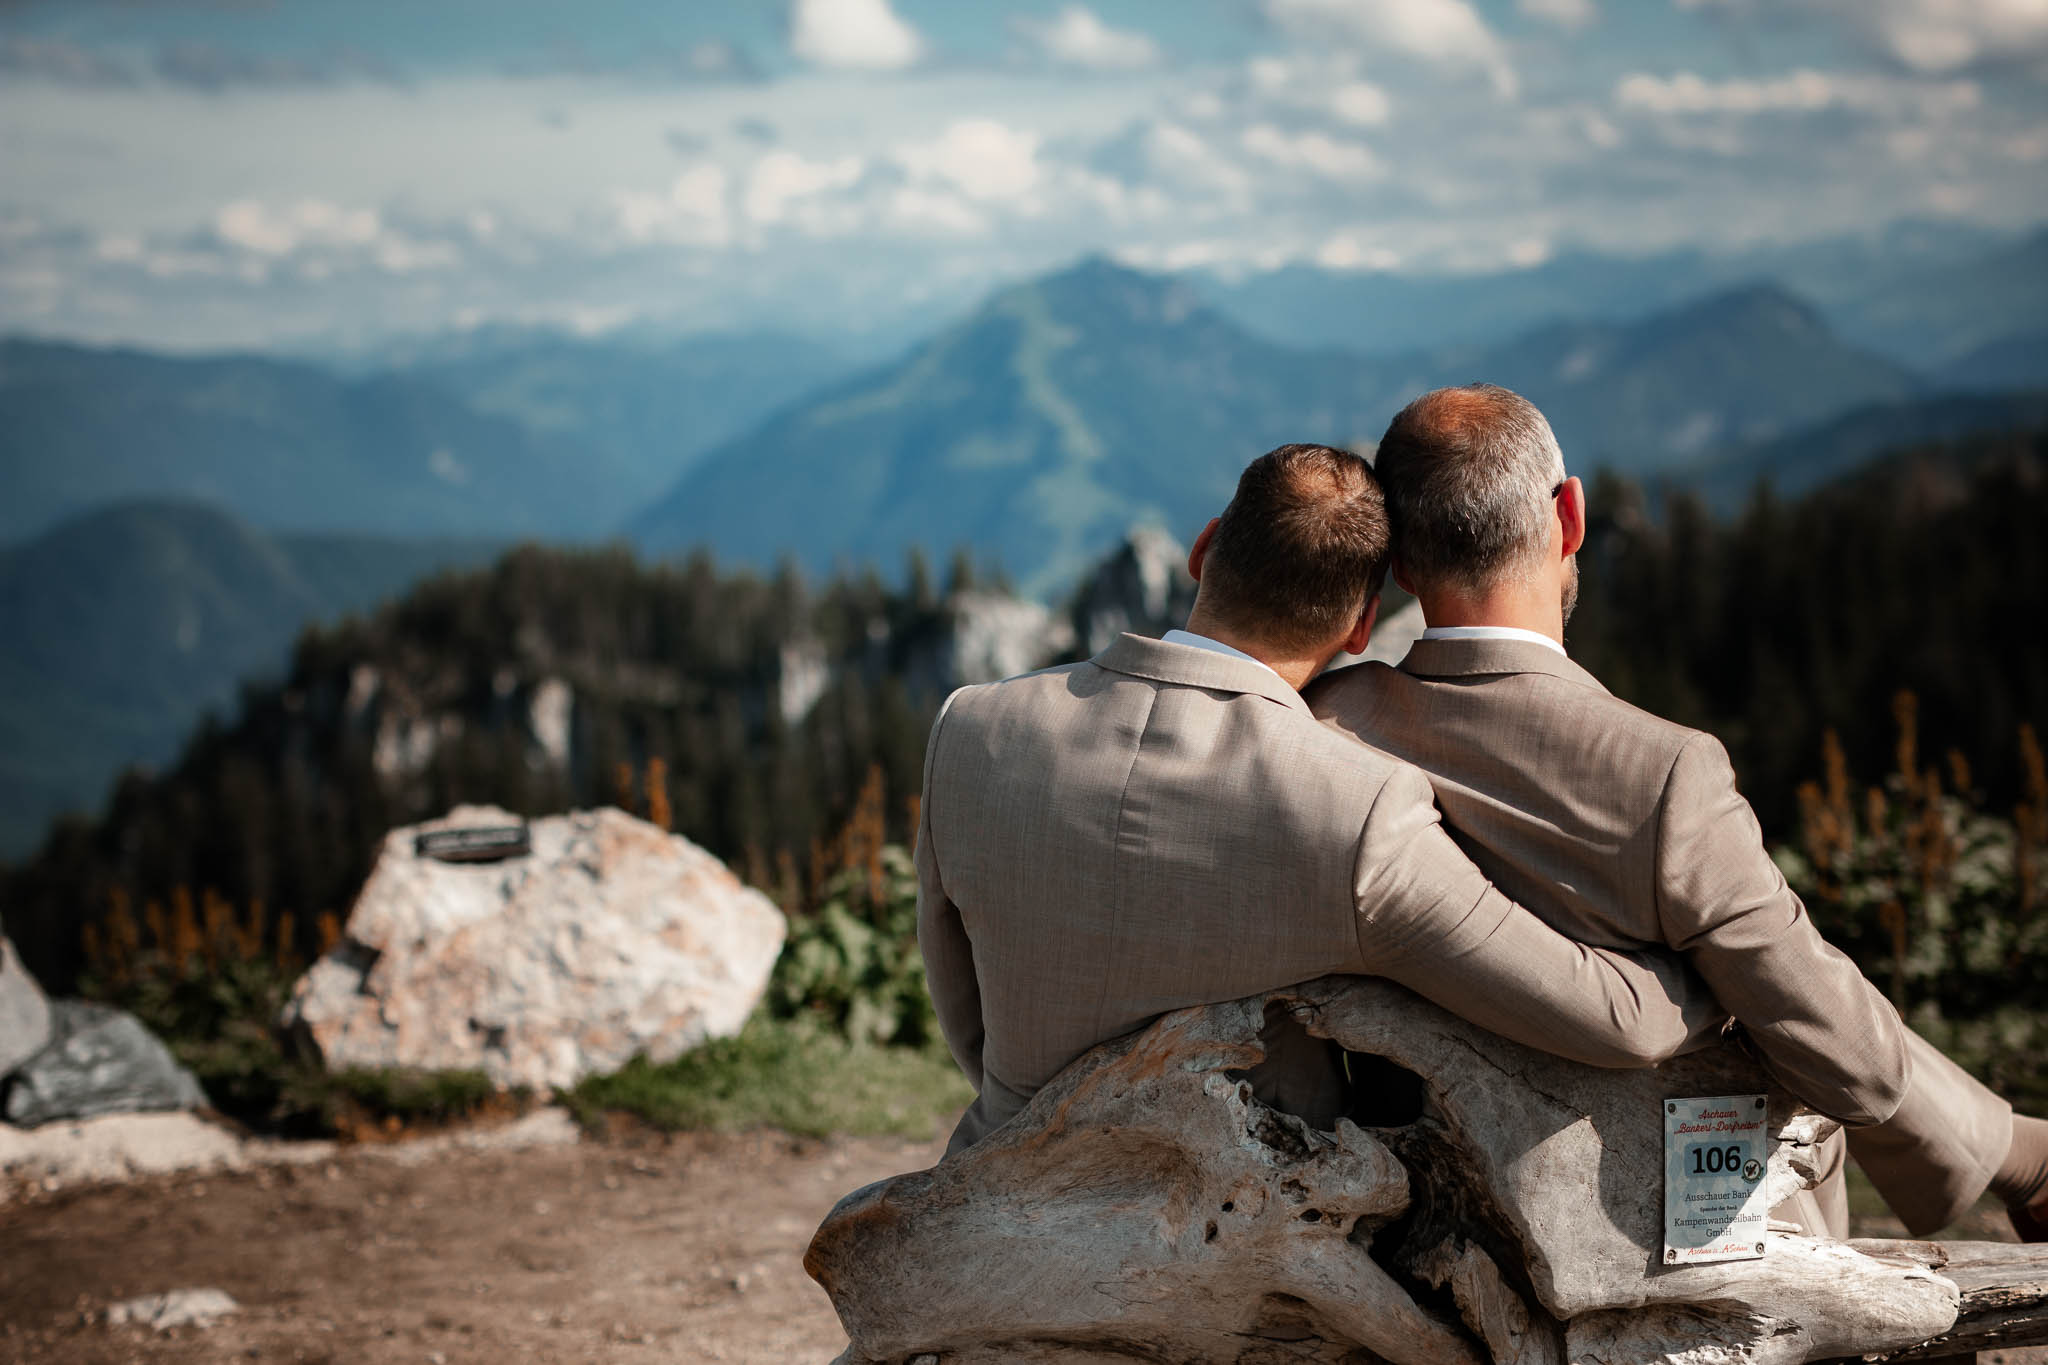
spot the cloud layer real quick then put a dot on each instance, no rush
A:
(857, 163)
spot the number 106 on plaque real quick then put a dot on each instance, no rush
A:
(1714, 1159)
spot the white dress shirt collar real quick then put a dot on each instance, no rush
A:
(1492, 633)
(1188, 637)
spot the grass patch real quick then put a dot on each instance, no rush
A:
(788, 1074)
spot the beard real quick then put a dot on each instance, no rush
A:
(1571, 588)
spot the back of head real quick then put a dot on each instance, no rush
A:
(1469, 475)
(1301, 547)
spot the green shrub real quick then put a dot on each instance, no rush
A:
(219, 1020)
(1938, 901)
(852, 965)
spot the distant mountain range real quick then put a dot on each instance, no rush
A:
(123, 625)
(1037, 432)
(283, 445)
(1844, 445)
(1068, 408)
(650, 407)
(1922, 293)
(543, 437)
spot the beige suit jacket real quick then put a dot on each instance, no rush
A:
(1165, 826)
(1626, 830)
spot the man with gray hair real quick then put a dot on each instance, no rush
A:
(1625, 830)
(1166, 825)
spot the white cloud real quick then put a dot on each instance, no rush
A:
(1563, 13)
(782, 181)
(1349, 251)
(1798, 92)
(1931, 36)
(1950, 35)
(857, 35)
(984, 159)
(921, 209)
(1317, 153)
(267, 231)
(1325, 84)
(693, 211)
(1444, 33)
(1078, 37)
(1180, 155)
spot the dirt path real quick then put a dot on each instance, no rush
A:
(628, 1251)
(636, 1249)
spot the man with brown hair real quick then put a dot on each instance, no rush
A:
(1166, 825)
(1624, 830)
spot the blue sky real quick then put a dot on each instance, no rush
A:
(240, 173)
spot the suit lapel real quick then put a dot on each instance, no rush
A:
(1189, 666)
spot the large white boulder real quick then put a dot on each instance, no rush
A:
(24, 1013)
(611, 938)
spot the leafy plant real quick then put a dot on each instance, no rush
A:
(852, 963)
(1939, 899)
(204, 982)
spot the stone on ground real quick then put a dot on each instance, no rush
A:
(178, 1308)
(99, 1060)
(122, 1147)
(24, 1013)
(611, 938)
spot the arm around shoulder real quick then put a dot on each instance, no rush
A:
(1833, 1039)
(1429, 919)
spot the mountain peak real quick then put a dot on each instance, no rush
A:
(1758, 304)
(1100, 289)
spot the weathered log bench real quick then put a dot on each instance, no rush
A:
(1146, 1207)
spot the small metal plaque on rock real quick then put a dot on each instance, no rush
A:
(474, 843)
(1714, 1154)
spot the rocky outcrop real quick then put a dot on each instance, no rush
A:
(997, 636)
(99, 1060)
(611, 938)
(24, 1013)
(1142, 587)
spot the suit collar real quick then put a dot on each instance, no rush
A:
(1189, 666)
(1477, 658)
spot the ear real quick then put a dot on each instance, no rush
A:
(1571, 514)
(1361, 630)
(1401, 579)
(1199, 551)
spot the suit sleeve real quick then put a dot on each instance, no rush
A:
(942, 938)
(1824, 1029)
(1429, 919)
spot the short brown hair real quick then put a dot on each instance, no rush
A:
(1301, 547)
(1469, 473)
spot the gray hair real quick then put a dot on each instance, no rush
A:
(1469, 474)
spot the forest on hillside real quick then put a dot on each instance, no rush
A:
(748, 712)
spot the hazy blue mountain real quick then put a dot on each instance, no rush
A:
(1938, 315)
(1845, 445)
(1037, 432)
(1380, 312)
(282, 445)
(1067, 409)
(1731, 369)
(125, 624)
(2012, 362)
(653, 406)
